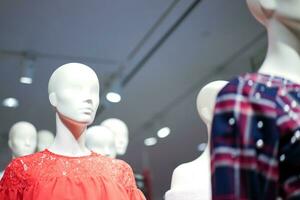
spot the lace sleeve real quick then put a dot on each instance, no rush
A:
(12, 183)
(126, 178)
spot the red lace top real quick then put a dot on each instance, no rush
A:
(46, 175)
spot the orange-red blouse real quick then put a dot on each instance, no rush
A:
(50, 176)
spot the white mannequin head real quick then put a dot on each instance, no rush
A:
(101, 140)
(74, 92)
(22, 139)
(45, 139)
(121, 132)
(284, 11)
(206, 101)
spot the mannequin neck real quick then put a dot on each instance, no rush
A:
(70, 138)
(282, 58)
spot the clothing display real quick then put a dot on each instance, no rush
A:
(46, 175)
(255, 149)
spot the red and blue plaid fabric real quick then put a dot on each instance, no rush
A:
(255, 139)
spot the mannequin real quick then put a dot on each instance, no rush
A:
(68, 169)
(22, 139)
(45, 139)
(256, 126)
(185, 180)
(281, 19)
(101, 140)
(121, 132)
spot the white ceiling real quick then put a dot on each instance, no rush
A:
(215, 41)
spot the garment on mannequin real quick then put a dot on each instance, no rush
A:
(67, 169)
(185, 180)
(22, 139)
(45, 139)
(121, 133)
(101, 140)
(256, 127)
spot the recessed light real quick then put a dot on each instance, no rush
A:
(113, 97)
(163, 132)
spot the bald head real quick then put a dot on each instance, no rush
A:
(206, 99)
(70, 71)
(22, 139)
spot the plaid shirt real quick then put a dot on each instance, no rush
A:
(255, 142)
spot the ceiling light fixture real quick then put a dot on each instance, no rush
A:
(10, 102)
(27, 71)
(150, 141)
(163, 132)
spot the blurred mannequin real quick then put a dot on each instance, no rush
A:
(45, 139)
(101, 140)
(74, 92)
(282, 21)
(191, 181)
(121, 132)
(22, 139)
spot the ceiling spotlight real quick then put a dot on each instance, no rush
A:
(26, 80)
(10, 102)
(150, 141)
(201, 147)
(113, 97)
(163, 132)
(27, 70)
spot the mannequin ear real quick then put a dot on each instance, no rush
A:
(268, 6)
(9, 144)
(53, 99)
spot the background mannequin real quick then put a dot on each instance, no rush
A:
(101, 140)
(121, 132)
(191, 181)
(282, 21)
(45, 139)
(22, 139)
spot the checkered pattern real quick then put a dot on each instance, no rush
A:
(255, 152)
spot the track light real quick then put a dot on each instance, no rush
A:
(27, 71)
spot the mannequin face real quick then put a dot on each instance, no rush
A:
(45, 139)
(101, 140)
(121, 132)
(285, 11)
(74, 91)
(22, 139)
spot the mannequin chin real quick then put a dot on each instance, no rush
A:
(281, 18)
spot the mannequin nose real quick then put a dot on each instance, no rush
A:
(27, 143)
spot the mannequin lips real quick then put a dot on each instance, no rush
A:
(76, 128)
